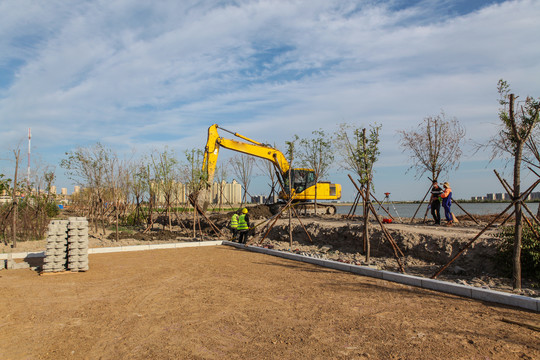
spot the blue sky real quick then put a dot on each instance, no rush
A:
(143, 75)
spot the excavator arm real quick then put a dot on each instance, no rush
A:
(304, 186)
(251, 147)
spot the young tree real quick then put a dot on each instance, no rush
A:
(435, 145)
(139, 188)
(221, 177)
(317, 153)
(88, 166)
(195, 179)
(165, 175)
(112, 184)
(242, 165)
(291, 145)
(268, 169)
(17, 154)
(360, 151)
(517, 127)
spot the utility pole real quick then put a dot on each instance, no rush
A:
(29, 147)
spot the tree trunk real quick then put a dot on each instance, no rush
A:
(518, 226)
(315, 206)
(365, 233)
(290, 210)
(15, 205)
(194, 220)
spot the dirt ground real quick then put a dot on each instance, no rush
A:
(425, 247)
(226, 303)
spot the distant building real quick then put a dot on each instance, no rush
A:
(263, 199)
(535, 196)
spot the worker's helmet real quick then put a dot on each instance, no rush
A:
(244, 211)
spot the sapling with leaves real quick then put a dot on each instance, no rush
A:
(359, 149)
(518, 122)
(316, 152)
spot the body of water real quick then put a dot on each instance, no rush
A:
(407, 210)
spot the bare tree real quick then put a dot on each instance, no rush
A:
(195, 178)
(291, 146)
(360, 151)
(221, 177)
(268, 169)
(17, 154)
(165, 174)
(435, 145)
(139, 188)
(317, 153)
(517, 127)
(242, 165)
(88, 166)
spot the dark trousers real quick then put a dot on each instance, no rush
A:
(234, 234)
(436, 211)
(242, 236)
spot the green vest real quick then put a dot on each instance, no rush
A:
(242, 224)
(234, 221)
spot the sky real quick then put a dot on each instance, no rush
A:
(137, 75)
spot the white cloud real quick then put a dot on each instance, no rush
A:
(132, 72)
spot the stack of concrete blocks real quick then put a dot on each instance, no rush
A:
(56, 252)
(67, 245)
(77, 244)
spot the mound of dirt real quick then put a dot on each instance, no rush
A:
(425, 247)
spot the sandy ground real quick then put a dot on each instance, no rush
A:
(227, 303)
(426, 247)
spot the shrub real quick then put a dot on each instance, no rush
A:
(530, 252)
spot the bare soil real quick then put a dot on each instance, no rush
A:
(426, 247)
(227, 303)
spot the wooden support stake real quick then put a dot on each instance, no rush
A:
(300, 221)
(421, 202)
(276, 219)
(465, 211)
(523, 195)
(395, 248)
(381, 206)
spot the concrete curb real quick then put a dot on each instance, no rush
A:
(23, 255)
(472, 292)
(430, 284)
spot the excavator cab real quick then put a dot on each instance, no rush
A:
(301, 179)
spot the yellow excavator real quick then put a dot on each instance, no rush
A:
(304, 186)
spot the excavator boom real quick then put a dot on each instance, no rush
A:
(303, 180)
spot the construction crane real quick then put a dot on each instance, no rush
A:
(304, 186)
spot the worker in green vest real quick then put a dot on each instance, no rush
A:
(243, 226)
(234, 226)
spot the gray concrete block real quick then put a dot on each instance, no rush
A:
(337, 265)
(402, 278)
(366, 271)
(315, 261)
(261, 250)
(446, 287)
(290, 256)
(505, 298)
